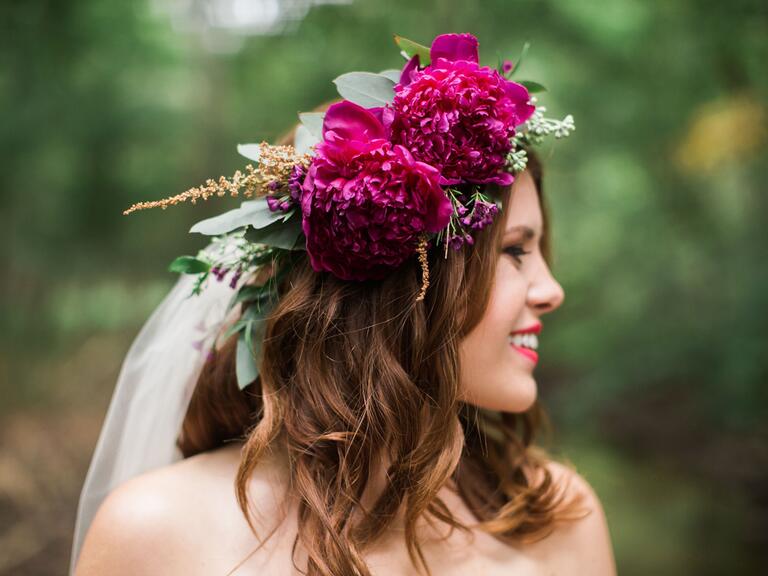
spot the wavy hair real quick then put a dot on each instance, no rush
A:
(357, 373)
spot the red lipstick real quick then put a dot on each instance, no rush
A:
(535, 329)
(527, 350)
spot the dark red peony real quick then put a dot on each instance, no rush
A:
(366, 201)
(456, 115)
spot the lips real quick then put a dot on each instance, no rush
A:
(526, 341)
(535, 329)
(531, 355)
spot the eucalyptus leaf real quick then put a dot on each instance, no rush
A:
(367, 89)
(257, 336)
(250, 151)
(532, 87)
(188, 265)
(313, 121)
(288, 215)
(283, 235)
(412, 48)
(238, 326)
(245, 364)
(392, 74)
(303, 140)
(249, 292)
(255, 213)
(259, 310)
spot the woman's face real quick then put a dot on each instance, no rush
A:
(498, 356)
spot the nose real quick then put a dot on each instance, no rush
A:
(545, 294)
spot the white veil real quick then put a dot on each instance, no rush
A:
(152, 393)
(157, 379)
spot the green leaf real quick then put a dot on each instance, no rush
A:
(392, 74)
(532, 87)
(188, 265)
(520, 59)
(367, 89)
(250, 151)
(283, 235)
(255, 213)
(245, 363)
(411, 48)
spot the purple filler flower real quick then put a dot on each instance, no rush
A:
(472, 221)
(278, 204)
(294, 182)
(366, 201)
(286, 202)
(457, 115)
(481, 216)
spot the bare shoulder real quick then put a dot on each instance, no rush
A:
(582, 546)
(154, 524)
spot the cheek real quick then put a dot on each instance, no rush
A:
(492, 377)
(507, 300)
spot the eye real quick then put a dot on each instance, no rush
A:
(516, 251)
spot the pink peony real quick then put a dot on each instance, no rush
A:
(457, 115)
(366, 201)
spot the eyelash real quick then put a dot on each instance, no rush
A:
(516, 251)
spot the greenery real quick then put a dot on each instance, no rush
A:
(654, 370)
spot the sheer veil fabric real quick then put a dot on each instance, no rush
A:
(152, 393)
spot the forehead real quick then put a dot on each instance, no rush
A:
(524, 208)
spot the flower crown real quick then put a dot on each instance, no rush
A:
(401, 162)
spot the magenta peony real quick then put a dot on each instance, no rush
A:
(366, 201)
(456, 115)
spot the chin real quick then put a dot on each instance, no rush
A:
(514, 394)
(522, 396)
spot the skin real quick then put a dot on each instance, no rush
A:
(184, 518)
(494, 375)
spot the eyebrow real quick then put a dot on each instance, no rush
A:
(528, 233)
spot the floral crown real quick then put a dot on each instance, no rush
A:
(400, 163)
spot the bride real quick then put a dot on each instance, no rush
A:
(381, 420)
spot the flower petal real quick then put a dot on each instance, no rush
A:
(516, 92)
(351, 122)
(520, 96)
(454, 47)
(410, 66)
(385, 115)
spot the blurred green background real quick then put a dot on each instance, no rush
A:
(654, 371)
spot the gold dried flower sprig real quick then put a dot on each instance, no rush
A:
(421, 250)
(275, 166)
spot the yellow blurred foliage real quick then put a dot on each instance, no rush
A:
(722, 131)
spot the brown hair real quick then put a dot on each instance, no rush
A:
(353, 372)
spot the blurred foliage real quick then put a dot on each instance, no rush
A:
(654, 369)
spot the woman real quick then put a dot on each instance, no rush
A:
(389, 429)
